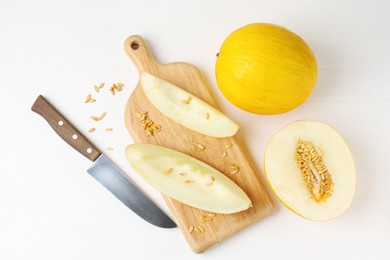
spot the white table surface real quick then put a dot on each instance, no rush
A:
(51, 209)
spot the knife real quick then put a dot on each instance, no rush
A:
(103, 169)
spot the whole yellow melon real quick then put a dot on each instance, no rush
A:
(265, 69)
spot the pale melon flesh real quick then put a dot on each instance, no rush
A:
(186, 109)
(288, 181)
(187, 179)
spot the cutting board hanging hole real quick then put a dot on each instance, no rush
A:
(134, 45)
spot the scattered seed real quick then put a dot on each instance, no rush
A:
(89, 99)
(191, 229)
(115, 87)
(168, 171)
(92, 129)
(234, 172)
(228, 145)
(187, 101)
(101, 85)
(96, 88)
(147, 123)
(201, 229)
(118, 88)
(201, 147)
(188, 181)
(207, 115)
(197, 229)
(155, 128)
(99, 118)
(233, 166)
(109, 129)
(224, 154)
(110, 149)
(204, 218)
(183, 174)
(212, 178)
(209, 183)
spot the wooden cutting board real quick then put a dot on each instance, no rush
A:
(175, 136)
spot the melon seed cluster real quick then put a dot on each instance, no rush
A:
(315, 175)
(149, 125)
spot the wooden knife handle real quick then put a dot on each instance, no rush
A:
(65, 129)
(139, 53)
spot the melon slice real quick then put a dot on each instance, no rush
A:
(186, 109)
(311, 170)
(187, 179)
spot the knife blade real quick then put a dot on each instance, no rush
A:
(103, 169)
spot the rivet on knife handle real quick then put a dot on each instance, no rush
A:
(65, 129)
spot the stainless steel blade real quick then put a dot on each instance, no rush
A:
(111, 177)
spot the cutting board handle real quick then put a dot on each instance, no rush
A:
(139, 53)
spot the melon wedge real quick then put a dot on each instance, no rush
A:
(186, 109)
(187, 179)
(311, 170)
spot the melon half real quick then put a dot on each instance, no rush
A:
(186, 109)
(187, 179)
(311, 170)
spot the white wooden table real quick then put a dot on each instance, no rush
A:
(51, 209)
